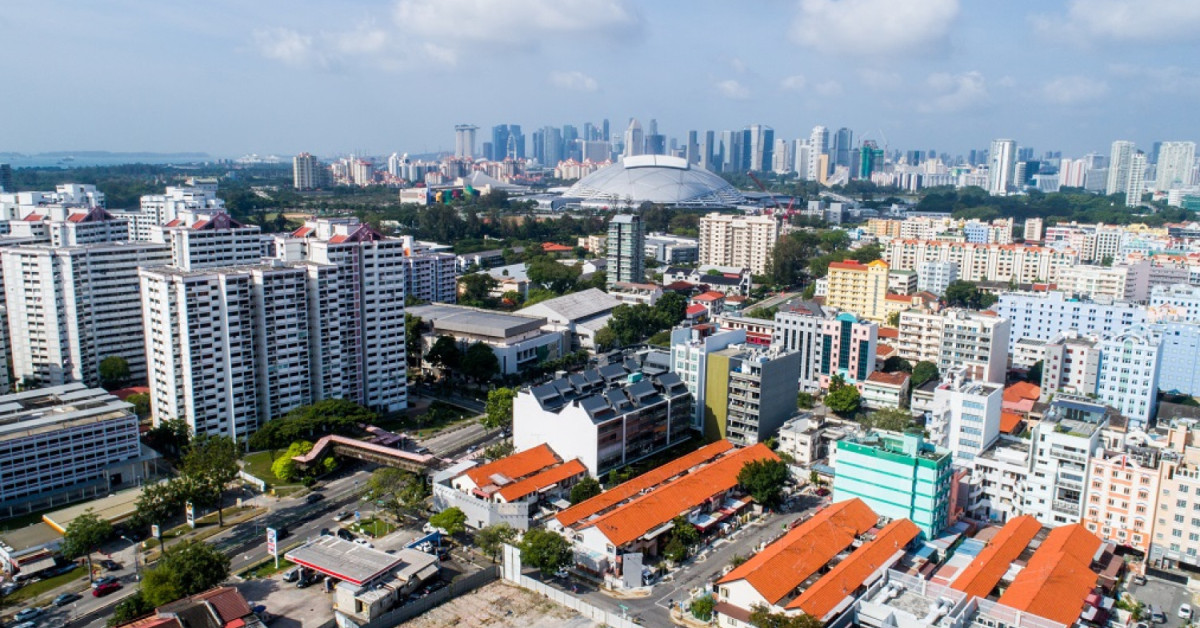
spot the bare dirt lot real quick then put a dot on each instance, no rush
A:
(500, 605)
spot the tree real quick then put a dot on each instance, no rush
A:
(284, 467)
(399, 490)
(480, 362)
(762, 617)
(114, 372)
(1034, 376)
(141, 404)
(545, 550)
(129, 609)
(845, 400)
(209, 465)
(814, 478)
(158, 504)
(500, 450)
(453, 520)
(897, 364)
(493, 537)
(413, 328)
(606, 339)
(551, 275)
(189, 568)
(962, 293)
(499, 408)
(444, 354)
(475, 289)
(702, 607)
(83, 535)
(923, 372)
(893, 319)
(891, 419)
(805, 401)
(764, 480)
(330, 416)
(585, 489)
(670, 309)
(170, 438)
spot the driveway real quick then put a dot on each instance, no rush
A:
(1168, 595)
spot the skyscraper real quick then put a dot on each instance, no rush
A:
(464, 141)
(707, 151)
(1002, 162)
(692, 149)
(552, 146)
(818, 144)
(731, 152)
(308, 173)
(626, 249)
(1175, 165)
(1119, 166)
(843, 141)
(1137, 179)
(634, 139)
(500, 135)
(762, 146)
(6, 183)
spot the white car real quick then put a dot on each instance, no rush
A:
(1185, 611)
(364, 543)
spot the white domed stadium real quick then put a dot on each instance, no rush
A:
(656, 179)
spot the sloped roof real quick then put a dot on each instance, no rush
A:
(1020, 391)
(1059, 576)
(1009, 422)
(985, 572)
(711, 295)
(630, 521)
(692, 310)
(827, 593)
(651, 478)
(542, 479)
(516, 466)
(574, 306)
(888, 379)
(788, 562)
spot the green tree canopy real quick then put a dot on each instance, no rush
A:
(897, 364)
(284, 467)
(84, 535)
(397, 489)
(762, 617)
(844, 401)
(585, 489)
(805, 401)
(493, 537)
(114, 372)
(476, 288)
(159, 503)
(414, 328)
(923, 372)
(962, 293)
(141, 404)
(480, 363)
(189, 568)
(764, 480)
(170, 438)
(444, 354)
(551, 275)
(209, 465)
(891, 419)
(606, 339)
(499, 408)
(1034, 376)
(453, 520)
(545, 550)
(329, 416)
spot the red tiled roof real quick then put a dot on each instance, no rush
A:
(630, 521)
(174, 223)
(1059, 576)
(551, 247)
(888, 332)
(905, 298)
(824, 596)
(789, 561)
(338, 239)
(711, 295)
(889, 379)
(1009, 422)
(514, 467)
(848, 265)
(34, 217)
(154, 622)
(649, 479)
(132, 390)
(227, 601)
(302, 232)
(1022, 390)
(883, 350)
(76, 217)
(695, 309)
(985, 572)
(542, 479)
(729, 610)
(199, 224)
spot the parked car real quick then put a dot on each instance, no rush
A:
(8, 588)
(110, 565)
(314, 498)
(345, 534)
(342, 516)
(28, 614)
(429, 528)
(65, 598)
(99, 582)
(1185, 612)
(106, 588)
(1157, 615)
(364, 543)
(1138, 579)
(326, 532)
(24, 624)
(292, 575)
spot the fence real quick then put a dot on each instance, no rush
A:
(512, 573)
(458, 586)
(252, 480)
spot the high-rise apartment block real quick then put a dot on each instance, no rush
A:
(966, 414)
(900, 476)
(626, 249)
(955, 339)
(738, 241)
(859, 288)
(1128, 375)
(1175, 164)
(464, 141)
(1002, 162)
(847, 349)
(308, 173)
(749, 392)
(1120, 165)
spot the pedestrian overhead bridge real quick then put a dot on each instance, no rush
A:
(363, 450)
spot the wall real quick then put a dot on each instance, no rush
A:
(511, 572)
(481, 513)
(458, 586)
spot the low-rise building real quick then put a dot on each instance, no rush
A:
(1121, 496)
(1071, 364)
(518, 341)
(635, 293)
(670, 249)
(1062, 445)
(577, 316)
(606, 417)
(885, 390)
(996, 484)
(749, 392)
(934, 276)
(899, 476)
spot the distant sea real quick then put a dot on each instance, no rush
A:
(81, 159)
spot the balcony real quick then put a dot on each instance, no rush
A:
(1065, 507)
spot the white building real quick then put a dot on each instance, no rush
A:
(1182, 301)
(966, 415)
(1179, 360)
(1123, 283)
(208, 240)
(71, 307)
(800, 328)
(690, 349)
(1061, 445)
(517, 341)
(577, 316)
(1071, 364)
(996, 484)
(1002, 162)
(1041, 315)
(200, 197)
(935, 277)
(1120, 165)
(740, 241)
(1128, 375)
(956, 338)
(1175, 164)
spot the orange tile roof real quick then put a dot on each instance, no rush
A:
(1009, 422)
(543, 479)
(711, 295)
(788, 562)
(651, 478)
(985, 572)
(302, 232)
(884, 351)
(827, 594)
(848, 265)
(905, 298)
(174, 223)
(695, 309)
(1022, 390)
(516, 466)
(551, 247)
(34, 217)
(1059, 576)
(889, 379)
(630, 521)
(77, 217)
(888, 332)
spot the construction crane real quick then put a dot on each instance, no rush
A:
(770, 197)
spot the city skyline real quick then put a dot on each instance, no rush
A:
(1071, 76)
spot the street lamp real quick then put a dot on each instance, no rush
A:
(137, 569)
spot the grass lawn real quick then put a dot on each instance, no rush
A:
(33, 590)
(258, 464)
(266, 569)
(372, 527)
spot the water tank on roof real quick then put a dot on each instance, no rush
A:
(634, 378)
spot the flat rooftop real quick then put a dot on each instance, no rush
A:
(113, 508)
(357, 564)
(46, 409)
(467, 320)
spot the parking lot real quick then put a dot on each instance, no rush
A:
(1167, 595)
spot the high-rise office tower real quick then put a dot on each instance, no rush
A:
(605, 131)
(656, 144)
(1120, 164)
(706, 151)
(692, 149)
(843, 141)
(1002, 162)
(818, 144)
(1175, 160)
(1155, 151)
(1137, 179)
(635, 141)
(516, 142)
(552, 147)
(570, 143)
(731, 152)
(589, 131)
(464, 141)
(500, 135)
(801, 156)
(870, 160)
(626, 249)
(781, 160)
(762, 147)
(539, 147)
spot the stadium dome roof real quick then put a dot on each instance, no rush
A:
(657, 179)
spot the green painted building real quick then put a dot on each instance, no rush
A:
(899, 476)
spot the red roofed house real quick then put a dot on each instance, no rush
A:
(507, 490)
(222, 607)
(612, 541)
(885, 390)
(712, 300)
(696, 313)
(1057, 580)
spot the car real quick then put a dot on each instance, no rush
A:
(110, 565)
(1185, 611)
(24, 624)
(345, 534)
(28, 614)
(342, 516)
(303, 583)
(429, 528)
(1138, 579)
(8, 588)
(1141, 624)
(314, 498)
(292, 575)
(106, 588)
(65, 598)
(326, 532)
(99, 582)
(282, 532)
(364, 543)
(1157, 615)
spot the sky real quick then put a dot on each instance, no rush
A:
(231, 77)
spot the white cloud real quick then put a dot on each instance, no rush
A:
(828, 88)
(880, 79)
(287, 46)
(1139, 21)
(1073, 90)
(793, 83)
(953, 93)
(574, 80)
(731, 88)
(874, 27)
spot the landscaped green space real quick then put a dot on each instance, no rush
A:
(373, 526)
(259, 463)
(37, 588)
(267, 568)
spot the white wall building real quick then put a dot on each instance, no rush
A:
(966, 415)
(1128, 375)
(956, 338)
(1041, 315)
(1071, 365)
(1061, 445)
(740, 241)
(689, 360)
(935, 277)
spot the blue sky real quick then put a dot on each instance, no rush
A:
(273, 76)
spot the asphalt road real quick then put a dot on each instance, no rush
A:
(1167, 595)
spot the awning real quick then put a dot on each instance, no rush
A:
(703, 520)
(659, 530)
